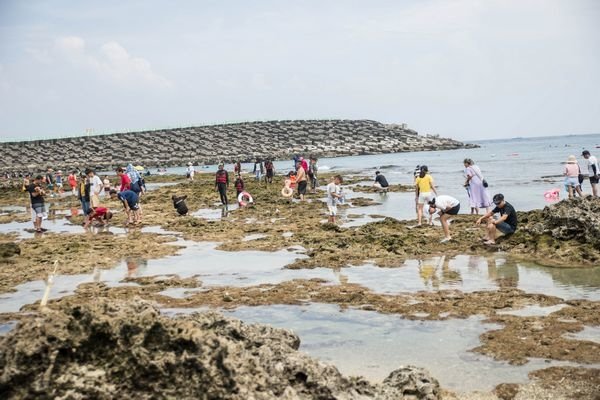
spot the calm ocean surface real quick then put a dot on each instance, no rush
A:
(514, 167)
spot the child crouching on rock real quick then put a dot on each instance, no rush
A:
(101, 214)
(130, 202)
(179, 204)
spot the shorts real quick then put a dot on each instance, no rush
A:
(454, 210)
(37, 211)
(505, 228)
(571, 181)
(94, 201)
(594, 181)
(134, 206)
(424, 197)
(302, 187)
(332, 210)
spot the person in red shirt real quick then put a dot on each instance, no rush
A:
(125, 180)
(101, 214)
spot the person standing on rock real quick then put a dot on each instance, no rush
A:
(96, 187)
(83, 192)
(270, 168)
(221, 184)
(333, 197)
(72, 179)
(36, 194)
(572, 177)
(258, 170)
(447, 206)
(239, 185)
(59, 181)
(593, 171)
(313, 170)
(301, 180)
(506, 224)
(190, 171)
(125, 180)
(476, 187)
(424, 188)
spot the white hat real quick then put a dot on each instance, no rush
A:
(572, 160)
(190, 163)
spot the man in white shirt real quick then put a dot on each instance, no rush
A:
(593, 170)
(447, 205)
(96, 187)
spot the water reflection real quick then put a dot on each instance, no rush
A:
(473, 273)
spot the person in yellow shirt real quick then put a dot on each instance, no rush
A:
(424, 187)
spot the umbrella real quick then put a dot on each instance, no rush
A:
(139, 168)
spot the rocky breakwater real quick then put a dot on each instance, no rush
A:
(228, 143)
(129, 350)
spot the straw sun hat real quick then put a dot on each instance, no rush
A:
(572, 160)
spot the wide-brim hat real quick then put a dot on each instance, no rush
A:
(190, 163)
(572, 160)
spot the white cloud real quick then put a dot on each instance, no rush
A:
(112, 62)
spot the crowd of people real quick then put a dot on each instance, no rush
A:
(90, 189)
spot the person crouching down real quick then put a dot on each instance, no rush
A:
(447, 206)
(130, 202)
(507, 223)
(179, 204)
(100, 214)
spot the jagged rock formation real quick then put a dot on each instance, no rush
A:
(112, 349)
(228, 143)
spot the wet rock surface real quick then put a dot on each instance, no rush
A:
(129, 350)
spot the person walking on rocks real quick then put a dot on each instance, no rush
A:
(36, 194)
(258, 170)
(447, 206)
(190, 172)
(476, 187)
(593, 171)
(333, 197)
(301, 180)
(59, 181)
(424, 188)
(506, 224)
(572, 177)
(221, 183)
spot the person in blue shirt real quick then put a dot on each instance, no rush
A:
(130, 201)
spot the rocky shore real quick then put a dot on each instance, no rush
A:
(228, 143)
(111, 349)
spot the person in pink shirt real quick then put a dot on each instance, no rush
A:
(125, 180)
(572, 177)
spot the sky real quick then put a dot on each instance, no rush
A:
(467, 69)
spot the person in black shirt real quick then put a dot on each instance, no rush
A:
(381, 182)
(36, 193)
(507, 223)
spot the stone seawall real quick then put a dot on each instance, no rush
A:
(214, 143)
